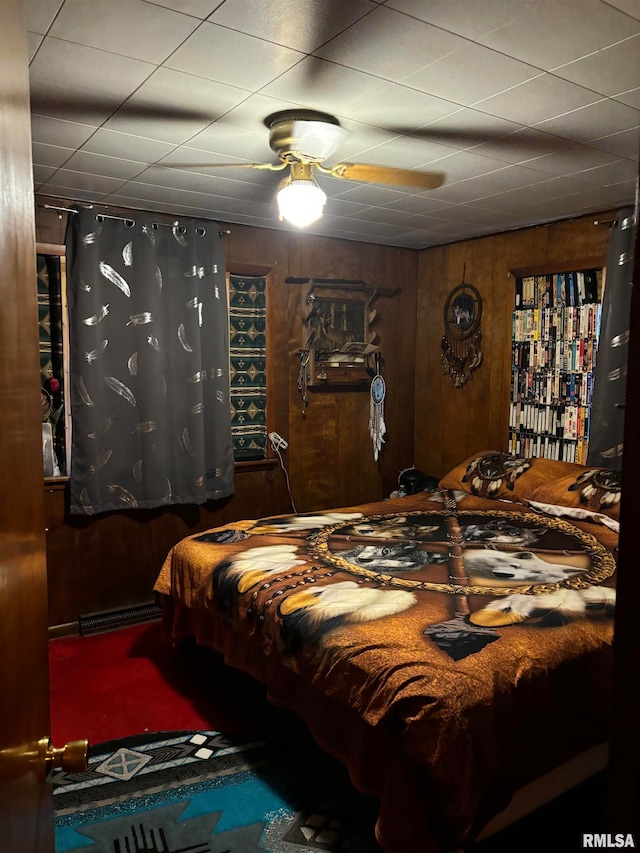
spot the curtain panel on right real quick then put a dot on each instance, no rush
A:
(606, 434)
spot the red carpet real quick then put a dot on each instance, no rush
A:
(131, 680)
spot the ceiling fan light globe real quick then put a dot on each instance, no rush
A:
(301, 202)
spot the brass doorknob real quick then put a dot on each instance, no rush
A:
(72, 757)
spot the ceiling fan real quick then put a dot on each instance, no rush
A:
(304, 140)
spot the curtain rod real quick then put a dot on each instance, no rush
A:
(121, 218)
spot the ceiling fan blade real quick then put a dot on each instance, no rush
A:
(368, 174)
(272, 167)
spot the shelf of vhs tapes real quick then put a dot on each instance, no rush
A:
(555, 328)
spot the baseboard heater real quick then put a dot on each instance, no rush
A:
(94, 623)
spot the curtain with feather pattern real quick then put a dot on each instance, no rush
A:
(149, 362)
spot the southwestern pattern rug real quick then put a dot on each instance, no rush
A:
(207, 792)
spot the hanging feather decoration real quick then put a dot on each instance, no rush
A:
(137, 471)
(140, 319)
(183, 341)
(95, 319)
(122, 494)
(150, 233)
(114, 277)
(84, 394)
(85, 503)
(127, 254)
(154, 343)
(102, 429)
(145, 427)
(90, 238)
(159, 278)
(132, 364)
(102, 461)
(121, 389)
(93, 355)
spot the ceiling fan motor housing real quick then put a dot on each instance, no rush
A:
(305, 136)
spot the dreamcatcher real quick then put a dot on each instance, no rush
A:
(460, 344)
(377, 426)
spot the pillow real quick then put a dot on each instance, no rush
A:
(494, 474)
(594, 489)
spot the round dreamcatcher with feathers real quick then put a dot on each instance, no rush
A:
(462, 339)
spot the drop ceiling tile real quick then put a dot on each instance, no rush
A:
(624, 144)
(71, 105)
(41, 174)
(39, 14)
(630, 7)
(251, 113)
(422, 222)
(548, 31)
(208, 184)
(363, 193)
(516, 200)
(51, 188)
(609, 71)
(396, 106)
(133, 28)
(390, 45)
(34, 42)
(68, 134)
(537, 100)
(456, 76)
(501, 181)
(302, 25)
(50, 155)
(322, 85)
(87, 69)
(234, 142)
(593, 121)
(460, 16)
(227, 56)
(631, 98)
(466, 164)
(468, 128)
(88, 183)
(523, 145)
(114, 144)
(420, 203)
(97, 164)
(380, 214)
(172, 106)
(198, 8)
(574, 159)
(406, 152)
(608, 174)
(342, 207)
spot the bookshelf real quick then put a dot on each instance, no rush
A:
(554, 343)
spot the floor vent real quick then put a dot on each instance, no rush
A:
(94, 623)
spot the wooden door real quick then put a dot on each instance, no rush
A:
(26, 802)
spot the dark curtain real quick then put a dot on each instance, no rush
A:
(149, 362)
(607, 408)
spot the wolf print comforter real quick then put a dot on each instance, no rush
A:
(477, 631)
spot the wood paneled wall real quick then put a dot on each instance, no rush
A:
(453, 423)
(111, 561)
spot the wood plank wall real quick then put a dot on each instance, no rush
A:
(453, 423)
(111, 561)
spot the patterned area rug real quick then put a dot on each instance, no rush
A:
(207, 792)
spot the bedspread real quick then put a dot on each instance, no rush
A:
(476, 632)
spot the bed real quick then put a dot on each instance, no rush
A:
(451, 647)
